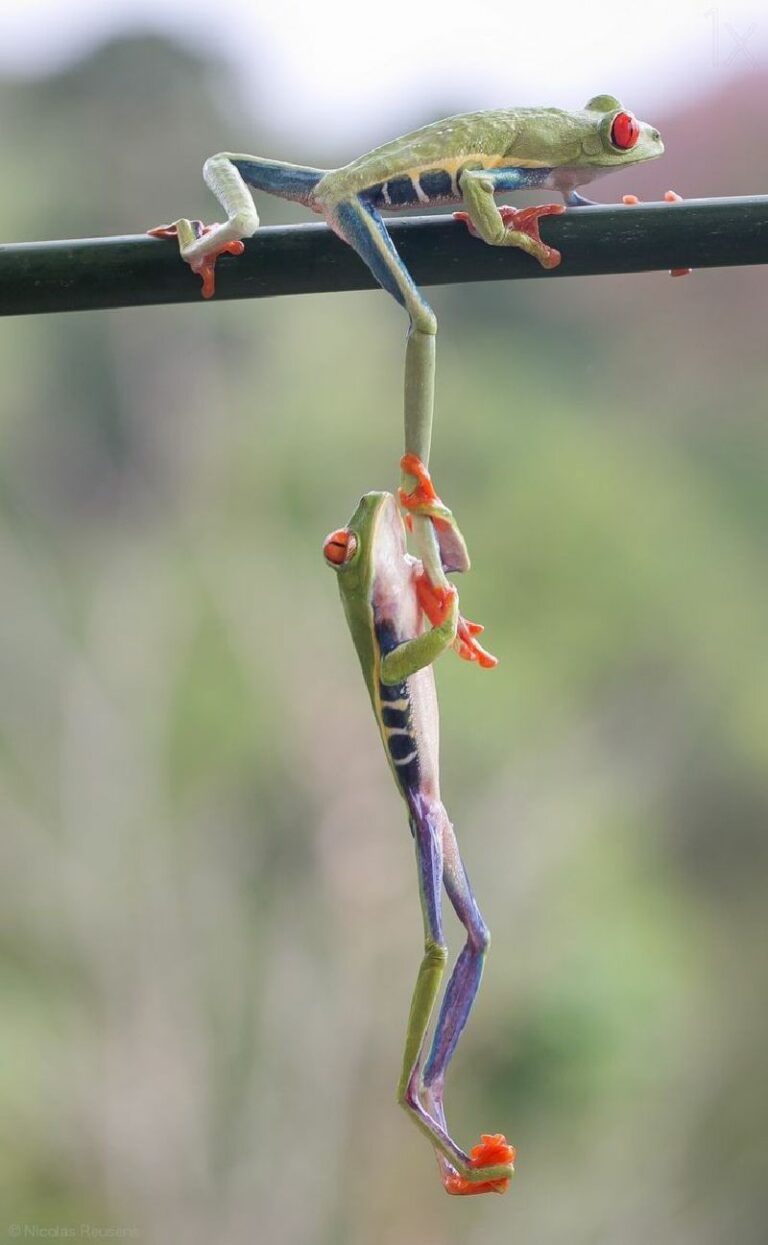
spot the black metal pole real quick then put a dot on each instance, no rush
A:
(90, 273)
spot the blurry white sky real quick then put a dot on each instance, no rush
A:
(338, 65)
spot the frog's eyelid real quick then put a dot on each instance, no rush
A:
(340, 547)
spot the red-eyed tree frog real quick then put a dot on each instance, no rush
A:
(388, 599)
(470, 158)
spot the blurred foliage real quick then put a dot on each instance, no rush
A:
(210, 925)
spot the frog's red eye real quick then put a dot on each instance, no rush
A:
(625, 130)
(339, 547)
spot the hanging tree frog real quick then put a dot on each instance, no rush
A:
(387, 599)
(469, 158)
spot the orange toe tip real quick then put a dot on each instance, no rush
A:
(492, 1150)
(459, 1187)
(630, 200)
(209, 280)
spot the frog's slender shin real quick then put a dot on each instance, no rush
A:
(465, 978)
(422, 1083)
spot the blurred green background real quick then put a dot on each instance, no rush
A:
(210, 925)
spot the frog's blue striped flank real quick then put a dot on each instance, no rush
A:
(396, 720)
(438, 186)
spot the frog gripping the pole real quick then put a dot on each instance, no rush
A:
(467, 159)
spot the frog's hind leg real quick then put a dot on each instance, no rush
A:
(457, 1004)
(360, 225)
(427, 819)
(229, 175)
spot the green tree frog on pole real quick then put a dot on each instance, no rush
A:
(469, 159)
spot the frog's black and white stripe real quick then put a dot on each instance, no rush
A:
(396, 719)
(433, 187)
(409, 190)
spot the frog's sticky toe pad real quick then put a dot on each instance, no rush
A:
(493, 1151)
(206, 266)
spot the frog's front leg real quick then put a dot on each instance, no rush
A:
(433, 596)
(505, 226)
(413, 655)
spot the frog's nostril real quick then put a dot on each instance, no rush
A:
(655, 135)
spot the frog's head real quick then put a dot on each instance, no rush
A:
(615, 137)
(374, 535)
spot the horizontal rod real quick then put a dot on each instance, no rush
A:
(132, 271)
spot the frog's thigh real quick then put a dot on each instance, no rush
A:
(360, 225)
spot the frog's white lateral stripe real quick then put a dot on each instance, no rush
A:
(406, 760)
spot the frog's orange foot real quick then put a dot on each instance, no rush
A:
(526, 220)
(670, 196)
(172, 231)
(435, 602)
(464, 218)
(493, 1151)
(423, 500)
(467, 646)
(205, 266)
(425, 493)
(163, 231)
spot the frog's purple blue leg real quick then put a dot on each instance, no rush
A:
(465, 980)
(428, 821)
(429, 863)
